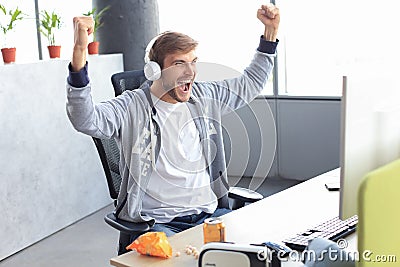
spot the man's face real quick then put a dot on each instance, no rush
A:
(178, 75)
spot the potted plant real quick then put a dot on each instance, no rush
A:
(49, 23)
(93, 47)
(6, 25)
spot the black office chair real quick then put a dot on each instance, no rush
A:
(110, 157)
(127, 80)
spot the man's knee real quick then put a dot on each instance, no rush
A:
(163, 228)
(220, 211)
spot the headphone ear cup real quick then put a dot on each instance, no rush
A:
(152, 71)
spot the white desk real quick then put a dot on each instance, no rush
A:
(271, 219)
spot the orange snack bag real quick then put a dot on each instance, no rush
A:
(152, 244)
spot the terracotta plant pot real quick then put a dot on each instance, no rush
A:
(54, 51)
(8, 54)
(93, 48)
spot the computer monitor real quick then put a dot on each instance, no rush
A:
(370, 130)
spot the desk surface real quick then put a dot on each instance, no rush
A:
(272, 219)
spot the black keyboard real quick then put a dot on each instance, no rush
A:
(332, 229)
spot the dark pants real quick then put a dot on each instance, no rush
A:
(183, 223)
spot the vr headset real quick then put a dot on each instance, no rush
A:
(216, 254)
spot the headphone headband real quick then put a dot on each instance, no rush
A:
(150, 46)
(152, 69)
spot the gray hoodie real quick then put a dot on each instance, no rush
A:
(129, 118)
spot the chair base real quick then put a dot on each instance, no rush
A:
(124, 241)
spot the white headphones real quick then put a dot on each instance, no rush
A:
(152, 69)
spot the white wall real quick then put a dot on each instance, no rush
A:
(309, 137)
(50, 175)
(250, 140)
(292, 138)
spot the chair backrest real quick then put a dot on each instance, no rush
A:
(107, 148)
(109, 155)
(379, 216)
(127, 80)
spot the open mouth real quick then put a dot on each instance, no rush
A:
(184, 85)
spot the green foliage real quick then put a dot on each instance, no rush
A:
(97, 16)
(48, 24)
(15, 15)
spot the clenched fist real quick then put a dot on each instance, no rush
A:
(83, 27)
(270, 17)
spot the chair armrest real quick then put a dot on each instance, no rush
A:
(242, 195)
(125, 226)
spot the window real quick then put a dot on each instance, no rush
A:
(323, 40)
(67, 10)
(24, 37)
(320, 41)
(227, 31)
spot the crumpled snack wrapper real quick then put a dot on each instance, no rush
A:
(152, 244)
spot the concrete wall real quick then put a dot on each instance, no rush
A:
(50, 175)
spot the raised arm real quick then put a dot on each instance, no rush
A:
(237, 92)
(104, 119)
(83, 27)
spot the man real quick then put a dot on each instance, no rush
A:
(172, 159)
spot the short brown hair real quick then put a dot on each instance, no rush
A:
(170, 43)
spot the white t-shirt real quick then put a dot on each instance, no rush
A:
(180, 184)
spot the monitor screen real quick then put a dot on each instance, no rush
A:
(370, 130)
